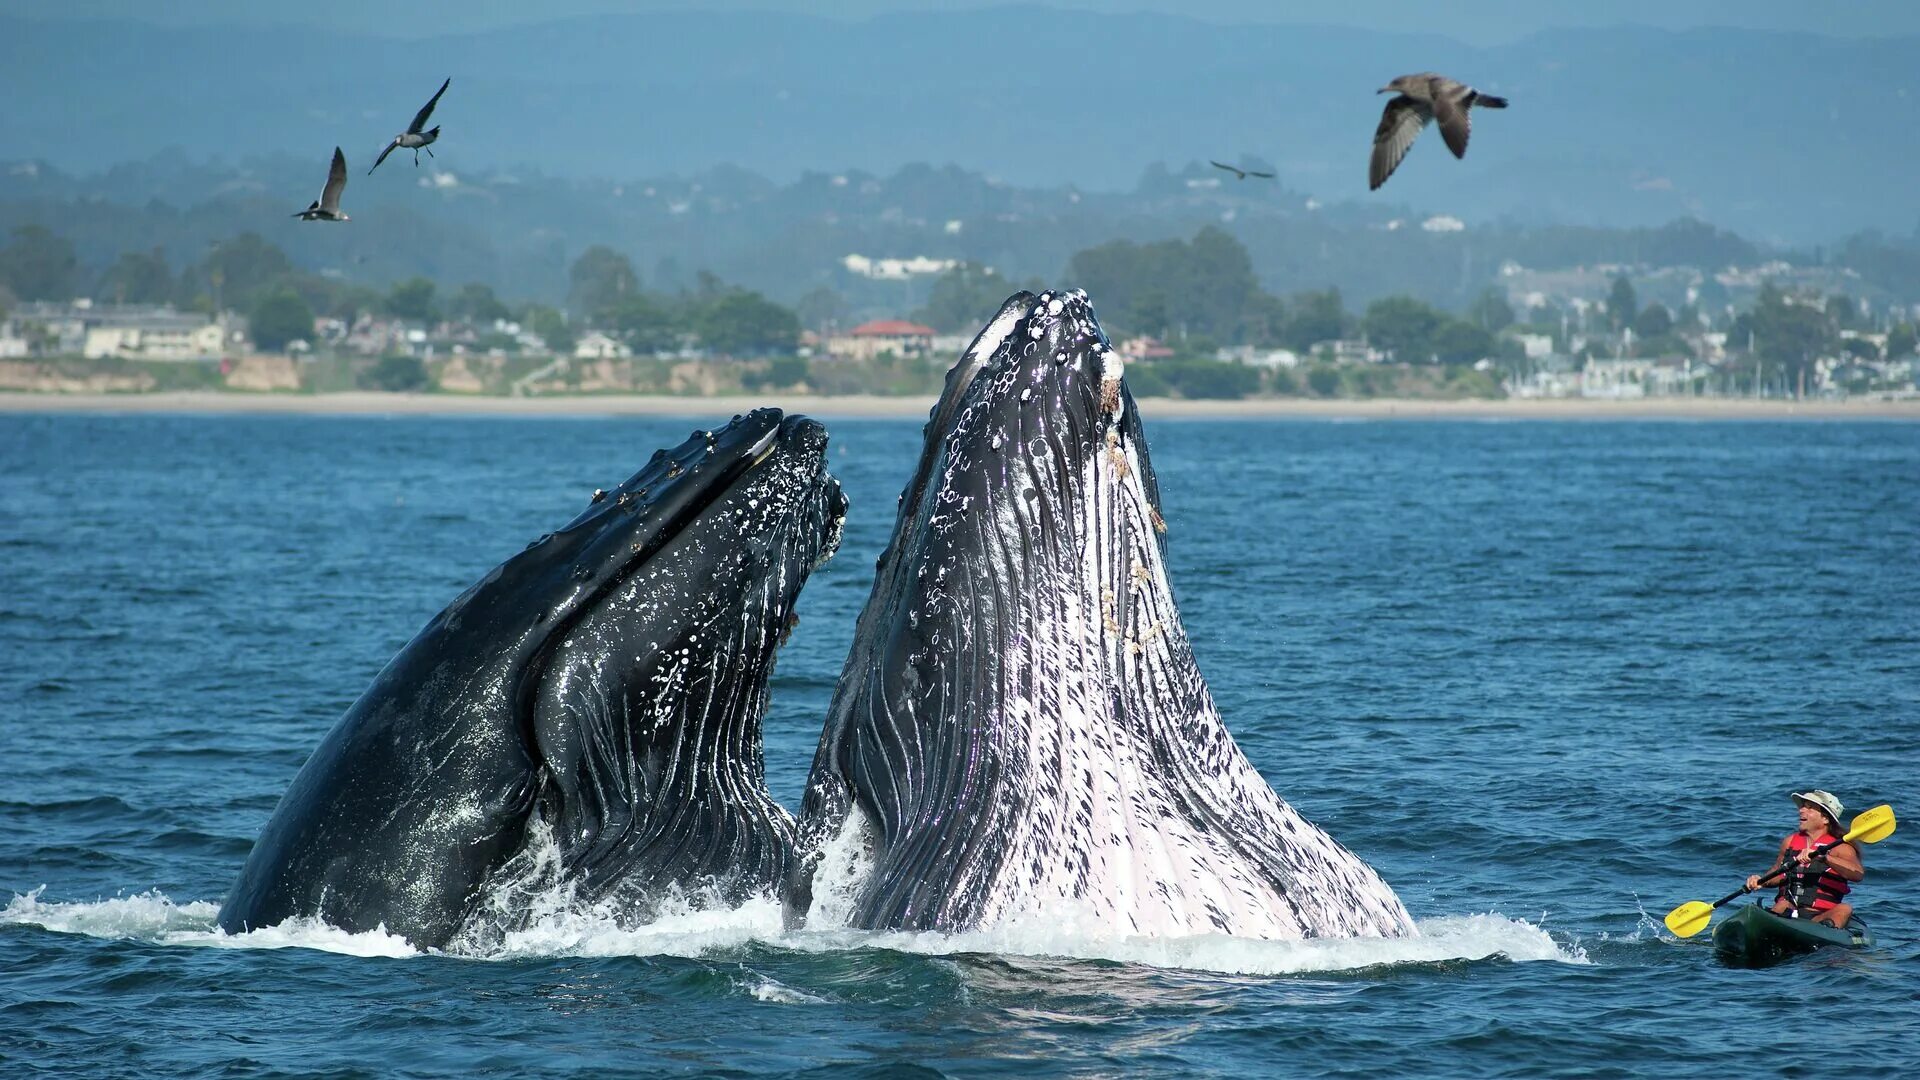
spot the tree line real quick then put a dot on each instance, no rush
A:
(1195, 295)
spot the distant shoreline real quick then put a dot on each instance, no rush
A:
(858, 406)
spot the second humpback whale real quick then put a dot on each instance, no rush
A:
(588, 711)
(1020, 730)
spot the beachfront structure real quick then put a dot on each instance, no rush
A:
(594, 345)
(159, 334)
(1142, 348)
(871, 339)
(124, 331)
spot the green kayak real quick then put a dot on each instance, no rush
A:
(1756, 937)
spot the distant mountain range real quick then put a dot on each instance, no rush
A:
(1790, 139)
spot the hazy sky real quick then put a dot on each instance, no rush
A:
(1485, 22)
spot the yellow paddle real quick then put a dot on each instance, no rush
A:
(1871, 827)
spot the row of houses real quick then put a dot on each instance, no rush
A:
(124, 331)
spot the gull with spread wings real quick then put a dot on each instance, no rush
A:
(414, 138)
(1240, 173)
(327, 206)
(1419, 99)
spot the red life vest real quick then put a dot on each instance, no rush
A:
(1826, 887)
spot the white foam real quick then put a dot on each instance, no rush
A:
(693, 932)
(152, 916)
(765, 989)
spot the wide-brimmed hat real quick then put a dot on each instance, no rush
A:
(1823, 801)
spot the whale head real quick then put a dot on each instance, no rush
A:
(598, 694)
(1021, 730)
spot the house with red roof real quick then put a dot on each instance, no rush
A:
(871, 339)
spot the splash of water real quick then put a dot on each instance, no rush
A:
(688, 930)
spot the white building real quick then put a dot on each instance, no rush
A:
(870, 339)
(159, 334)
(896, 269)
(594, 345)
(128, 331)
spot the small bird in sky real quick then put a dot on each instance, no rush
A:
(414, 138)
(1240, 173)
(1419, 99)
(327, 206)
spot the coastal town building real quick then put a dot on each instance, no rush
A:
(882, 336)
(896, 269)
(594, 345)
(123, 331)
(1141, 348)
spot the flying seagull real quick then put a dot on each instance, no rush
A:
(327, 206)
(414, 138)
(1240, 173)
(1418, 99)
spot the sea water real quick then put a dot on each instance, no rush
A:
(1551, 678)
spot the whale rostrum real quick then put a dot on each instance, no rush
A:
(598, 696)
(1020, 730)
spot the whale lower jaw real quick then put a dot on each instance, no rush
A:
(1121, 804)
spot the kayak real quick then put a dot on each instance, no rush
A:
(1756, 937)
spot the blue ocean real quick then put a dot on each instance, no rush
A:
(1551, 678)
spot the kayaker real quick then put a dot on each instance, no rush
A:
(1819, 869)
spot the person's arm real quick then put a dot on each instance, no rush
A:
(1779, 860)
(1844, 860)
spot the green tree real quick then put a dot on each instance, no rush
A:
(781, 371)
(137, 278)
(747, 324)
(1214, 275)
(38, 265)
(1902, 340)
(642, 323)
(1860, 348)
(1219, 285)
(1622, 305)
(963, 299)
(279, 318)
(822, 307)
(412, 300)
(237, 271)
(1324, 381)
(396, 374)
(1662, 345)
(476, 305)
(600, 278)
(550, 325)
(1317, 317)
(1264, 320)
(1490, 311)
(1145, 380)
(1845, 312)
(1404, 327)
(351, 301)
(1458, 342)
(1653, 321)
(1210, 378)
(1787, 337)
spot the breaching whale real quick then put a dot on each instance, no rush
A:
(599, 694)
(1020, 730)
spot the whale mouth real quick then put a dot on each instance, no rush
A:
(642, 705)
(1021, 729)
(596, 698)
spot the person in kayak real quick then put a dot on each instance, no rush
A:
(1818, 868)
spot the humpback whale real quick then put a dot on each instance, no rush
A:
(1020, 730)
(598, 695)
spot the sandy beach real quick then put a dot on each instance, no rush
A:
(367, 403)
